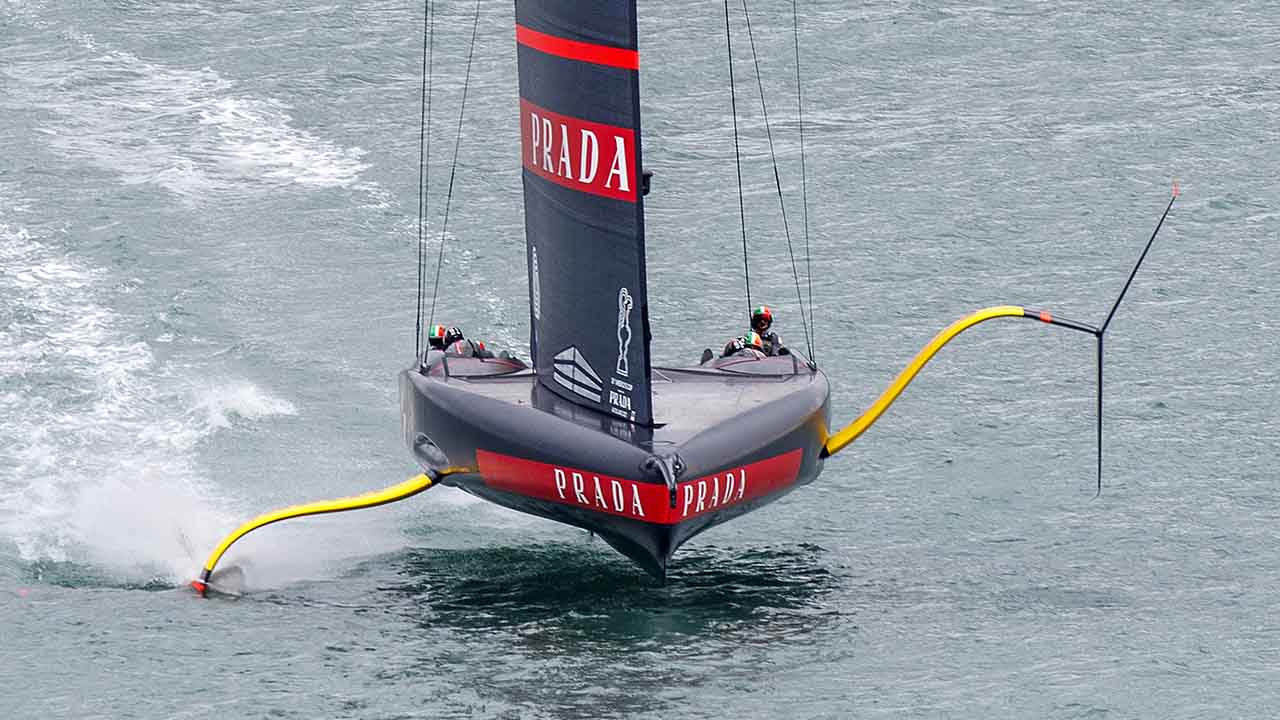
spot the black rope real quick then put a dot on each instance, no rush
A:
(457, 144)
(786, 228)
(737, 158)
(804, 178)
(424, 163)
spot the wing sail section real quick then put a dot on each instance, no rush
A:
(584, 212)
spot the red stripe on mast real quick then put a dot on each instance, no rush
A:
(581, 51)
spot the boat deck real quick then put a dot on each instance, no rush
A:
(685, 400)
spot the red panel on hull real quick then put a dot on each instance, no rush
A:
(647, 502)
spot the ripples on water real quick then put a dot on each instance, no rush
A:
(206, 283)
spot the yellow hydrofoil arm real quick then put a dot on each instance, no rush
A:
(406, 489)
(837, 442)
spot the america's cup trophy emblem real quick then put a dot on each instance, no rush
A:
(624, 329)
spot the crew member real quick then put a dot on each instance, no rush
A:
(435, 338)
(456, 345)
(761, 322)
(749, 345)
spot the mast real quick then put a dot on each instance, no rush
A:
(584, 212)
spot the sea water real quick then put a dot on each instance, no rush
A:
(208, 246)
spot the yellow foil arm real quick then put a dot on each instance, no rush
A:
(403, 490)
(837, 442)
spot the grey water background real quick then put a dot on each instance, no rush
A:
(207, 244)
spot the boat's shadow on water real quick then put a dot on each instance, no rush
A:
(575, 590)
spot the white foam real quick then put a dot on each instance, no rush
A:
(98, 440)
(141, 522)
(220, 404)
(188, 131)
(258, 140)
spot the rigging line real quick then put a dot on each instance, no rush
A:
(737, 157)
(804, 178)
(457, 144)
(777, 180)
(424, 162)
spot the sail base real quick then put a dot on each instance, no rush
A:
(736, 438)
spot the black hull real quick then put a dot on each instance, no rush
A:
(735, 439)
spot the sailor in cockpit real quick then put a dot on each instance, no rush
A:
(749, 345)
(761, 322)
(759, 342)
(451, 341)
(435, 338)
(456, 344)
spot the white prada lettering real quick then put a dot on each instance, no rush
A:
(590, 157)
(600, 495)
(574, 153)
(710, 493)
(611, 494)
(563, 169)
(619, 166)
(608, 494)
(547, 140)
(619, 503)
(535, 137)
